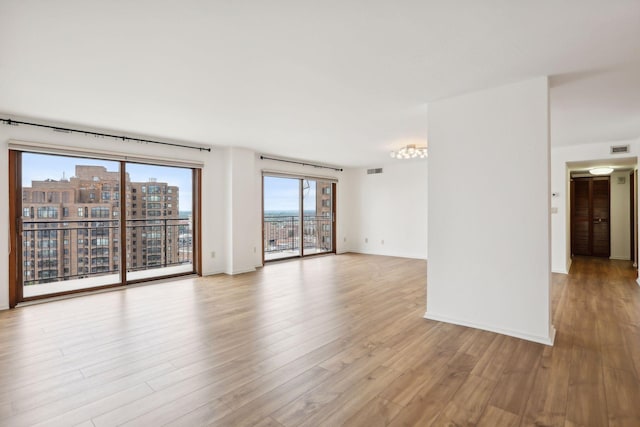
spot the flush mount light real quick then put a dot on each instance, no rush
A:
(410, 151)
(600, 171)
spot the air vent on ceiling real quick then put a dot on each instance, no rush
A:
(373, 171)
(619, 149)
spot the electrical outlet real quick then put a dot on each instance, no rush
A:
(366, 240)
(345, 240)
(213, 254)
(255, 249)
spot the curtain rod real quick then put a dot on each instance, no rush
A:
(11, 122)
(300, 163)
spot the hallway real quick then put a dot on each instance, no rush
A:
(597, 317)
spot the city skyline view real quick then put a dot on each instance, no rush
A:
(41, 167)
(72, 228)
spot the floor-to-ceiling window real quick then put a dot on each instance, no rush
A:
(70, 223)
(159, 220)
(298, 216)
(85, 223)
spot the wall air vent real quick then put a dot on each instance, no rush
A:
(619, 149)
(374, 171)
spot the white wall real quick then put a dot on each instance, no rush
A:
(243, 212)
(389, 210)
(560, 156)
(619, 220)
(489, 237)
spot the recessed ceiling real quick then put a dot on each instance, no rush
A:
(335, 82)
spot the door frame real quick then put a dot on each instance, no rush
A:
(590, 180)
(333, 216)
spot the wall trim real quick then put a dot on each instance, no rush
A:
(212, 273)
(539, 339)
(246, 270)
(410, 256)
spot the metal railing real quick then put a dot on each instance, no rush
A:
(282, 234)
(64, 250)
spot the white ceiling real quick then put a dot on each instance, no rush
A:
(340, 82)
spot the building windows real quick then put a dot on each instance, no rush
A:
(106, 195)
(100, 212)
(25, 212)
(81, 212)
(47, 212)
(100, 241)
(65, 212)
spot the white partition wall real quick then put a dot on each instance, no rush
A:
(489, 202)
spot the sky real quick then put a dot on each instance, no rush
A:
(38, 167)
(282, 194)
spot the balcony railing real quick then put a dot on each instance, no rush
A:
(66, 250)
(282, 235)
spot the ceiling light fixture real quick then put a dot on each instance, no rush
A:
(410, 151)
(601, 171)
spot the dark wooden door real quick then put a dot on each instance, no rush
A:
(590, 211)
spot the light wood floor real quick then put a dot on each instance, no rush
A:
(323, 341)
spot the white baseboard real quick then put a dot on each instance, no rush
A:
(397, 255)
(562, 270)
(539, 339)
(620, 258)
(247, 270)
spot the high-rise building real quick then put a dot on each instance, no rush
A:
(71, 227)
(324, 212)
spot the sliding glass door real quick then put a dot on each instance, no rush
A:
(298, 217)
(159, 230)
(317, 230)
(281, 207)
(70, 224)
(70, 213)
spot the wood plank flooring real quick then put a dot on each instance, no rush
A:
(325, 341)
